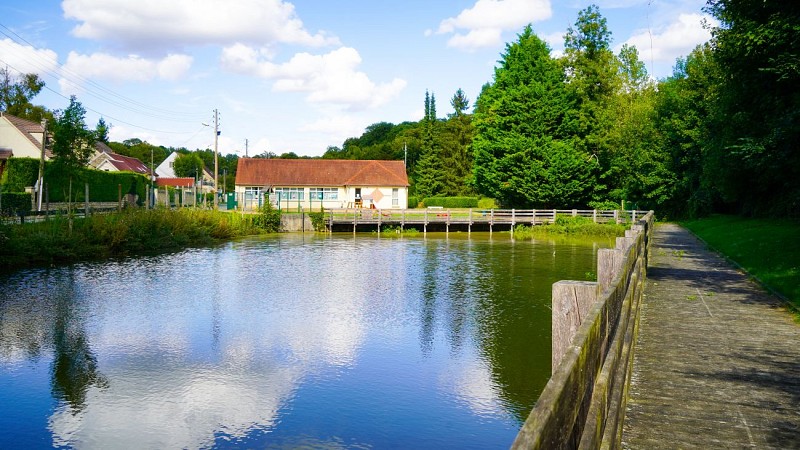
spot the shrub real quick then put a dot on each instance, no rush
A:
(413, 201)
(452, 202)
(15, 203)
(318, 219)
(606, 205)
(268, 218)
(487, 203)
(19, 174)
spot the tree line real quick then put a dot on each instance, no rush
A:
(593, 129)
(590, 128)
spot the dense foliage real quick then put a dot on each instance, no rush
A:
(586, 129)
(12, 203)
(60, 240)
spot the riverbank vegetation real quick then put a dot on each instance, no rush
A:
(768, 249)
(132, 231)
(568, 225)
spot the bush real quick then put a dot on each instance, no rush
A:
(606, 205)
(268, 218)
(19, 174)
(413, 201)
(15, 202)
(452, 202)
(487, 203)
(318, 220)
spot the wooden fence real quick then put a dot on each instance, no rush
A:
(507, 218)
(594, 331)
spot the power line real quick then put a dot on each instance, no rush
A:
(124, 102)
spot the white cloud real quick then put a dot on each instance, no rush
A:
(131, 68)
(484, 23)
(331, 78)
(27, 59)
(158, 24)
(673, 40)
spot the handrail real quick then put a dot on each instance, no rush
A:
(594, 332)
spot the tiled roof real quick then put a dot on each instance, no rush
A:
(175, 182)
(26, 127)
(121, 162)
(320, 172)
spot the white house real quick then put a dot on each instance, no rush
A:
(166, 170)
(20, 138)
(328, 183)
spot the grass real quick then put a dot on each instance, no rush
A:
(568, 225)
(127, 233)
(768, 249)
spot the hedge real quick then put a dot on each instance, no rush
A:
(452, 202)
(12, 203)
(413, 201)
(103, 186)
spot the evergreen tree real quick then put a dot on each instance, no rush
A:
(101, 131)
(524, 152)
(430, 176)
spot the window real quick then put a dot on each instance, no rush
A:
(252, 197)
(287, 193)
(323, 193)
(395, 197)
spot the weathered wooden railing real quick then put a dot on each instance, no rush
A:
(594, 331)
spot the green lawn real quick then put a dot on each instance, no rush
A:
(769, 249)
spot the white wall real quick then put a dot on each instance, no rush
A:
(345, 198)
(12, 139)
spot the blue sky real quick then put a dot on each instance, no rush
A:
(295, 76)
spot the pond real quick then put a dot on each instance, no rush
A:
(321, 341)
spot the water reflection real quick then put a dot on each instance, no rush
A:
(284, 340)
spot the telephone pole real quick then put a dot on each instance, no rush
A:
(216, 159)
(40, 186)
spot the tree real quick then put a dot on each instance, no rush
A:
(429, 172)
(460, 103)
(16, 95)
(752, 154)
(525, 154)
(73, 142)
(188, 165)
(101, 131)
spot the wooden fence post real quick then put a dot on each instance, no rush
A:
(609, 263)
(86, 200)
(571, 303)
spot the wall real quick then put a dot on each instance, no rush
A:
(11, 138)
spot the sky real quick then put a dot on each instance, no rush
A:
(296, 76)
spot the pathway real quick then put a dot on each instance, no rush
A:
(717, 361)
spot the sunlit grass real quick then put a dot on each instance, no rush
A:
(769, 249)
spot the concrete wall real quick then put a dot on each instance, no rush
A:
(296, 222)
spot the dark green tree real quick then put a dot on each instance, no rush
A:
(16, 94)
(429, 177)
(188, 165)
(101, 131)
(524, 152)
(753, 154)
(73, 142)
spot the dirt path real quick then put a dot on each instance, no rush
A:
(717, 362)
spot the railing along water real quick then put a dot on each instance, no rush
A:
(594, 331)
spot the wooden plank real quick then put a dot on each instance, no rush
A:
(571, 302)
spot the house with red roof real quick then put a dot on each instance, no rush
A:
(328, 183)
(105, 159)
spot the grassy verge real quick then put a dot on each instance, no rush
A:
(568, 225)
(768, 249)
(130, 232)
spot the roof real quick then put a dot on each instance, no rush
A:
(320, 172)
(26, 127)
(175, 182)
(121, 162)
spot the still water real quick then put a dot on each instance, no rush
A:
(285, 341)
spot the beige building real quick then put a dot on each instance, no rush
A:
(314, 183)
(20, 138)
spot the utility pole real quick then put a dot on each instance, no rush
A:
(41, 165)
(216, 159)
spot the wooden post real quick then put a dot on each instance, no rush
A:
(594, 216)
(609, 263)
(119, 197)
(571, 303)
(86, 200)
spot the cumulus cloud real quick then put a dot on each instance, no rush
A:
(130, 68)
(483, 24)
(331, 78)
(672, 40)
(157, 25)
(26, 59)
